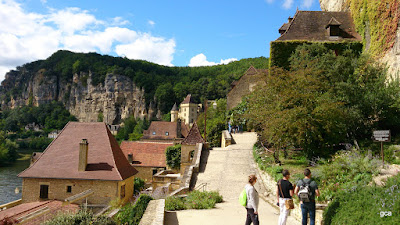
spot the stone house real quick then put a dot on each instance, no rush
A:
(336, 30)
(161, 131)
(189, 146)
(244, 86)
(84, 158)
(148, 158)
(187, 112)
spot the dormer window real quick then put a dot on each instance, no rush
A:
(333, 28)
(166, 133)
(154, 133)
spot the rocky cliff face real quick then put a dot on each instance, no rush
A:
(115, 99)
(333, 5)
(391, 58)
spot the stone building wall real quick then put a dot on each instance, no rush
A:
(243, 87)
(104, 191)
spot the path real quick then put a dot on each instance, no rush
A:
(227, 171)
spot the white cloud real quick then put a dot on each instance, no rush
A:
(147, 47)
(151, 23)
(287, 4)
(307, 3)
(201, 60)
(27, 36)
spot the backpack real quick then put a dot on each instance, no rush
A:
(243, 198)
(305, 192)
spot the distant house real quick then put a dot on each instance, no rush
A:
(244, 86)
(335, 29)
(187, 111)
(34, 127)
(84, 160)
(161, 131)
(53, 134)
(147, 157)
(113, 128)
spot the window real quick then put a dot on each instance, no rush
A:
(123, 191)
(44, 191)
(166, 133)
(154, 133)
(69, 188)
(192, 110)
(155, 171)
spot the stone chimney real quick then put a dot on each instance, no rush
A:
(290, 19)
(83, 155)
(130, 158)
(178, 128)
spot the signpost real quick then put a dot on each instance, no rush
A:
(381, 136)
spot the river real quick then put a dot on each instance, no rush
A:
(9, 181)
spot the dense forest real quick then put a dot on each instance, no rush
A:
(166, 85)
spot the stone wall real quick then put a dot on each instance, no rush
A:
(333, 5)
(154, 214)
(104, 191)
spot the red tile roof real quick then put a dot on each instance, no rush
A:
(150, 154)
(60, 159)
(158, 129)
(311, 26)
(49, 210)
(194, 136)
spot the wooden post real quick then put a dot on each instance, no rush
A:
(205, 120)
(382, 153)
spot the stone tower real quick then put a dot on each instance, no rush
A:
(188, 110)
(174, 113)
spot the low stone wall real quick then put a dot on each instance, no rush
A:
(226, 139)
(270, 184)
(10, 204)
(154, 214)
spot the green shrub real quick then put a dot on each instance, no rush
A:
(195, 200)
(173, 156)
(363, 205)
(132, 213)
(83, 217)
(138, 185)
(173, 203)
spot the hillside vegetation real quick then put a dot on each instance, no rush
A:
(167, 84)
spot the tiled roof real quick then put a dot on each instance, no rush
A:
(188, 99)
(175, 107)
(158, 130)
(49, 210)
(194, 136)
(311, 26)
(184, 130)
(150, 154)
(60, 159)
(250, 71)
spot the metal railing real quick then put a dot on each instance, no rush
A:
(202, 186)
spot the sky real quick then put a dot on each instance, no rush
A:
(166, 32)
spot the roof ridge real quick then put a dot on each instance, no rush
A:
(291, 22)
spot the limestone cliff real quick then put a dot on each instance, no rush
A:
(381, 19)
(115, 99)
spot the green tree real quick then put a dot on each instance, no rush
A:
(173, 156)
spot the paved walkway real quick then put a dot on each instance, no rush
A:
(227, 171)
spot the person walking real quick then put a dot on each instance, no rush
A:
(307, 204)
(252, 201)
(284, 192)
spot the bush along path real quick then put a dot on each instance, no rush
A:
(227, 171)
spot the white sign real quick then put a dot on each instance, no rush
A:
(381, 135)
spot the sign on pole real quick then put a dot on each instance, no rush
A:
(381, 136)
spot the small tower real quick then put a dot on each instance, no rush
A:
(188, 110)
(174, 113)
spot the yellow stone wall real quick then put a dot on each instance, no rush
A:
(104, 191)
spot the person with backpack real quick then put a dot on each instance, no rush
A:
(284, 192)
(306, 190)
(252, 201)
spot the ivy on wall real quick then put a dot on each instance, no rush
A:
(381, 17)
(281, 51)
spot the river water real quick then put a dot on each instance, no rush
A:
(9, 181)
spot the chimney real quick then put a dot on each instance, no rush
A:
(178, 128)
(83, 155)
(290, 19)
(130, 158)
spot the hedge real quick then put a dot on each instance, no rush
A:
(131, 214)
(281, 51)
